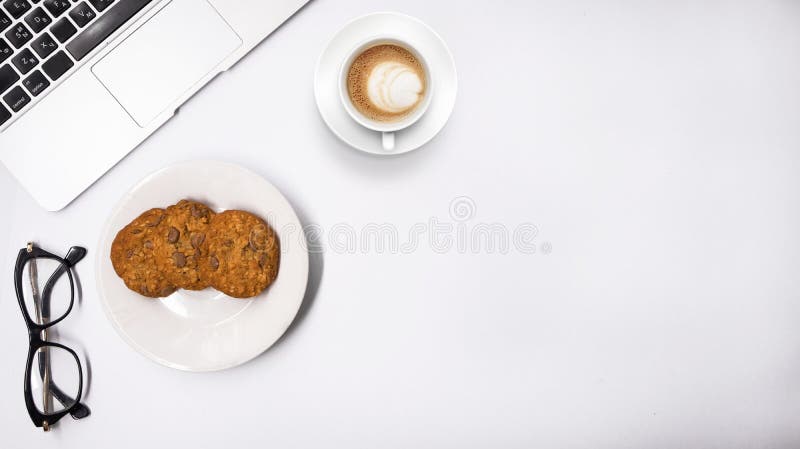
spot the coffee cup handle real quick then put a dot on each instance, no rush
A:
(388, 141)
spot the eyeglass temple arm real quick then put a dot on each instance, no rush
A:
(74, 255)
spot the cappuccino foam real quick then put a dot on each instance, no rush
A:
(386, 82)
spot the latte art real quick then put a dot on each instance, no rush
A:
(394, 87)
(386, 83)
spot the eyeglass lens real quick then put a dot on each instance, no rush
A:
(55, 379)
(47, 289)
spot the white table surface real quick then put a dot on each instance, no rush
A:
(654, 145)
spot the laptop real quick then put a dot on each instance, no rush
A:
(83, 82)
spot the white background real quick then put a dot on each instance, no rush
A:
(655, 145)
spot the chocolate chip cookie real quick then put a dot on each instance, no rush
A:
(181, 244)
(133, 255)
(243, 254)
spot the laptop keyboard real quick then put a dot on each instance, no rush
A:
(41, 40)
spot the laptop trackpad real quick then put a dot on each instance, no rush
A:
(165, 57)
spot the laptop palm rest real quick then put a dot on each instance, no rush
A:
(155, 67)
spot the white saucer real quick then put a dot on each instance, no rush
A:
(205, 330)
(416, 33)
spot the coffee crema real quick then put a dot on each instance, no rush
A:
(386, 82)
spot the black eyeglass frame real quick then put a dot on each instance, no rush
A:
(77, 409)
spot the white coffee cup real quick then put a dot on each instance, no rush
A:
(387, 129)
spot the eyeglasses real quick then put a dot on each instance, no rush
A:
(54, 387)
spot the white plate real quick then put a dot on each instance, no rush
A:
(206, 330)
(426, 41)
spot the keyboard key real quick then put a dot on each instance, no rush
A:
(18, 35)
(106, 24)
(36, 83)
(7, 78)
(38, 20)
(16, 99)
(57, 65)
(5, 21)
(4, 114)
(44, 45)
(56, 7)
(100, 5)
(63, 30)
(25, 61)
(82, 14)
(17, 7)
(5, 50)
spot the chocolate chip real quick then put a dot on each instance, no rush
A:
(158, 220)
(173, 235)
(148, 244)
(166, 291)
(180, 259)
(129, 253)
(197, 239)
(196, 212)
(136, 231)
(262, 261)
(213, 262)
